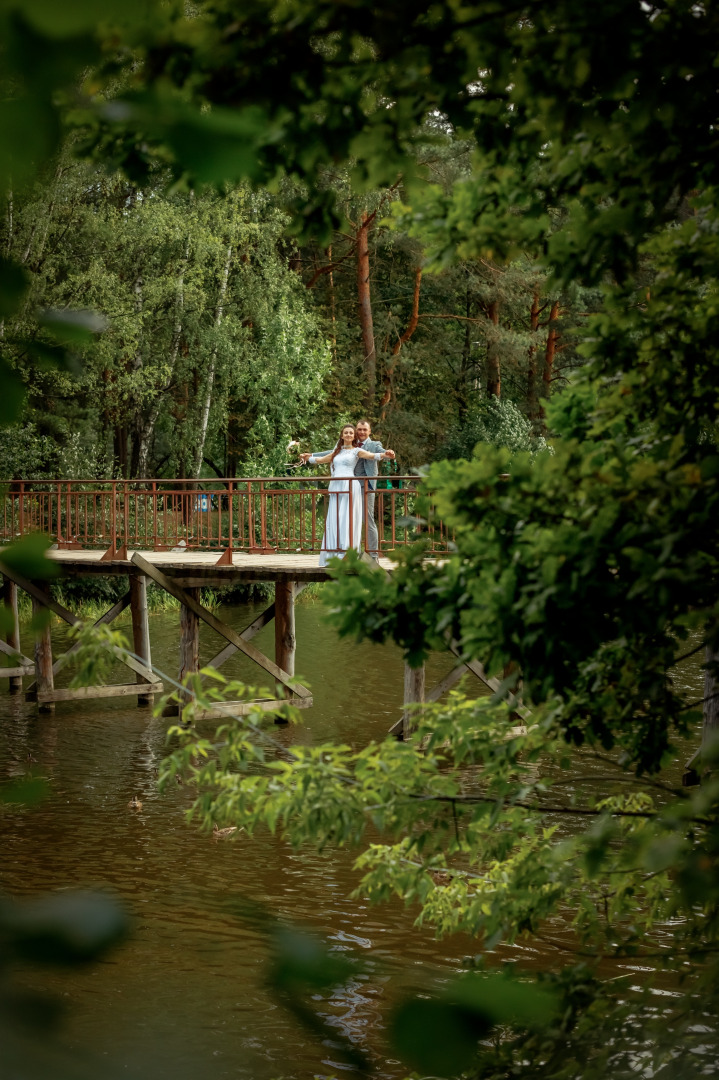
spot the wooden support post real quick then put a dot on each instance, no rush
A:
(43, 656)
(285, 641)
(413, 694)
(140, 628)
(9, 591)
(189, 639)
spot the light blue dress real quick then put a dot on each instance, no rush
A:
(343, 523)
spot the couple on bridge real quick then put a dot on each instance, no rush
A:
(351, 500)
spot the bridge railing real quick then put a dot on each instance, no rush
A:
(259, 515)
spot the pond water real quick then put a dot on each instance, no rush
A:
(186, 996)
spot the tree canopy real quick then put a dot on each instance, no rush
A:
(572, 153)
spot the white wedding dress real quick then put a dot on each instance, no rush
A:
(343, 524)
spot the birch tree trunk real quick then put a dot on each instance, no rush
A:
(136, 367)
(148, 427)
(205, 415)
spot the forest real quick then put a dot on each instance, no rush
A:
(230, 228)
(222, 336)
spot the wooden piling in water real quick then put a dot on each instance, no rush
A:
(44, 679)
(414, 684)
(189, 638)
(285, 636)
(140, 629)
(13, 635)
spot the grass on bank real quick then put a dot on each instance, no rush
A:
(90, 598)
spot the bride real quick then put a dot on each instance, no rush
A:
(343, 523)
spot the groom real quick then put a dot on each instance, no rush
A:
(365, 467)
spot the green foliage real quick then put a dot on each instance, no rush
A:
(495, 421)
(465, 824)
(594, 150)
(207, 352)
(92, 656)
(439, 1036)
(27, 557)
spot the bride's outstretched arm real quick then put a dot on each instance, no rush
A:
(315, 460)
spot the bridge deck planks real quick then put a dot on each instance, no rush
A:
(200, 566)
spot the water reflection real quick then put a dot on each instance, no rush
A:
(187, 995)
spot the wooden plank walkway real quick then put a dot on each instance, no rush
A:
(197, 568)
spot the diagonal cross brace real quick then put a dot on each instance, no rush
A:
(477, 669)
(67, 616)
(262, 620)
(15, 653)
(219, 627)
(108, 617)
(453, 678)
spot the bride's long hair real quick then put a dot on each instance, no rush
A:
(341, 443)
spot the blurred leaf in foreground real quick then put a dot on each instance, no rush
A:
(28, 557)
(26, 792)
(65, 928)
(440, 1035)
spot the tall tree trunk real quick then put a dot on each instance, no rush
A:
(465, 363)
(205, 415)
(8, 243)
(106, 413)
(549, 354)
(48, 220)
(332, 306)
(532, 388)
(389, 385)
(494, 375)
(365, 313)
(148, 426)
(120, 449)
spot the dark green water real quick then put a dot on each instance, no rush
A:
(186, 996)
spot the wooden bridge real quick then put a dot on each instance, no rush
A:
(184, 535)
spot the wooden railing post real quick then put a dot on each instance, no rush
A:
(113, 515)
(263, 516)
(126, 513)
